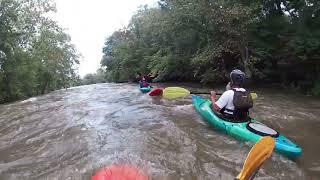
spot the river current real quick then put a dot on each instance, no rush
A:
(70, 134)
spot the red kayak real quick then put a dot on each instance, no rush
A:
(119, 172)
(156, 92)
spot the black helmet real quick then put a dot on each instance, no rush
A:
(237, 77)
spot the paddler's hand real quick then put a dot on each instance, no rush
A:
(213, 94)
(213, 99)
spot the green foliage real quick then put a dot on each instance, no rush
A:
(272, 41)
(98, 77)
(36, 56)
(316, 89)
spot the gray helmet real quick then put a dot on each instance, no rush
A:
(237, 77)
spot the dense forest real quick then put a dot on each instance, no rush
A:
(94, 78)
(36, 56)
(273, 41)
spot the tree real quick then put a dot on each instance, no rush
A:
(204, 40)
(36, 56)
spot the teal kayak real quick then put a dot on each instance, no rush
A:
(145, 89)
(243, 130)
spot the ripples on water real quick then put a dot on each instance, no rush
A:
(69, 134)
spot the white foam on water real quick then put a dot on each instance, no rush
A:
(184, 108)
(29, 100)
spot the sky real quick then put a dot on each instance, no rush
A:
(90, 22)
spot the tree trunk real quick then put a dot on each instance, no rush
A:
(7, 87)
(245, 61)
(44, 87)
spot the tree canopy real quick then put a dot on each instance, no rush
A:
(36, 55)
(203, 40)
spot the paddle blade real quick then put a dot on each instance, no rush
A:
(156, 92)
(254, 95)
(175, 92)
(260, 152)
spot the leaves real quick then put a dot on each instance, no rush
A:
(36, 55)
(204, 40)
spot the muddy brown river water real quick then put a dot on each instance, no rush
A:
(70, 134)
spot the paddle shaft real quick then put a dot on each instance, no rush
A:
(178, 92)
(204, 93)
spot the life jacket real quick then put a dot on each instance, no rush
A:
(242, 101)
(144, 84)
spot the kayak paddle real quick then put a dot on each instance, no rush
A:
(178, 92)
(258, 154)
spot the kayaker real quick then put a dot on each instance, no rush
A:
(143, 83)
(138, 76)
(147, 78)
(235, 102)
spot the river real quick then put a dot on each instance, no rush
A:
(70, 134)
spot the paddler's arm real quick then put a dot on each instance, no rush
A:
(213, 100)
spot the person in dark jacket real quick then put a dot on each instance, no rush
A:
(143, 83)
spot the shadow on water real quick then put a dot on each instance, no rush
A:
(69, 134)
